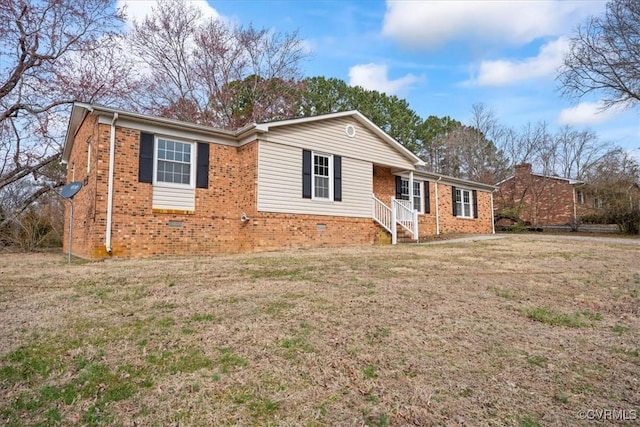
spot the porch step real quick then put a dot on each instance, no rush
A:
(403, 235)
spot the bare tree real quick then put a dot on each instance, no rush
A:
(605, 56)
(165, 41)
(471, 155)
(466, 151)
(526, 145)
(40, 224)
(576, 151)
(45, 47)
(209, 72)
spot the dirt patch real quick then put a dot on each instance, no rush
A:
(523, 330)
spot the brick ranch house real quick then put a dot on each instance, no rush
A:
(155, 186)
(543, 200)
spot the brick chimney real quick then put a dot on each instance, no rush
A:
(522, 170)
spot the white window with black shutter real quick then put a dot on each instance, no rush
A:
(165, 161)
(175, 168)
(465, 203)
(321, 176)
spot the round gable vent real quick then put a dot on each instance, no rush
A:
(350, 130)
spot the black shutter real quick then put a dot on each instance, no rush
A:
(202, 172)
(306, 174)
(475, 204)
(426, 198)
(453, 201)
(337, 178)
(145, 163)
(398, 187)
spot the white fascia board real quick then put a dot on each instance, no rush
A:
(170, 131)
(569, 180)
(505, 180)
(78, 113)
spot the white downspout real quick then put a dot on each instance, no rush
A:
(437, 209)
(575, 209)
(112, 160)
(493, 219)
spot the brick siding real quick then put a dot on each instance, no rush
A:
(540, 200)
(215, 226)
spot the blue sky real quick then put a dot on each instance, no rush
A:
(442, 56)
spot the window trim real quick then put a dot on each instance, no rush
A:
(598, 203)
(411, 196)
(192, 163)
(89, 155)
(420, 196)
(460, 212)
(330, 176)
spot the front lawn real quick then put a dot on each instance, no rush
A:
(520, 331)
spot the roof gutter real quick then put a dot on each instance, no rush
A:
(453, 181)
(112, 158)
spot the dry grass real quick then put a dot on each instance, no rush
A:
(518, 331)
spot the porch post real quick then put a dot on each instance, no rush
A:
(411, 191)
(394, 229)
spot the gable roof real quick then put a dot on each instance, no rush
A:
(361, 118)
(80, 110)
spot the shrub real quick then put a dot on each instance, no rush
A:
(628, 222)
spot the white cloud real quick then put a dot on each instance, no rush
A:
(587, 113)
(429, 24)
(138, 9)
(375, 77)
(502, 72)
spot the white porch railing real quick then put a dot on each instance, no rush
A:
(406, 217)
(382, 214)
(399, 213)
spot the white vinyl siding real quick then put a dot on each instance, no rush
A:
(330, 137)
(174, 198)
(280, 184)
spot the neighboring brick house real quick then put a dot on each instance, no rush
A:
(155, 186)
(543, 200)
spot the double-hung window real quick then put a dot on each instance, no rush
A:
(598, 203)
(404, 189)
(322, 176)
(174, 162)
(416, 193)
(417, 196)
(464, 203)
